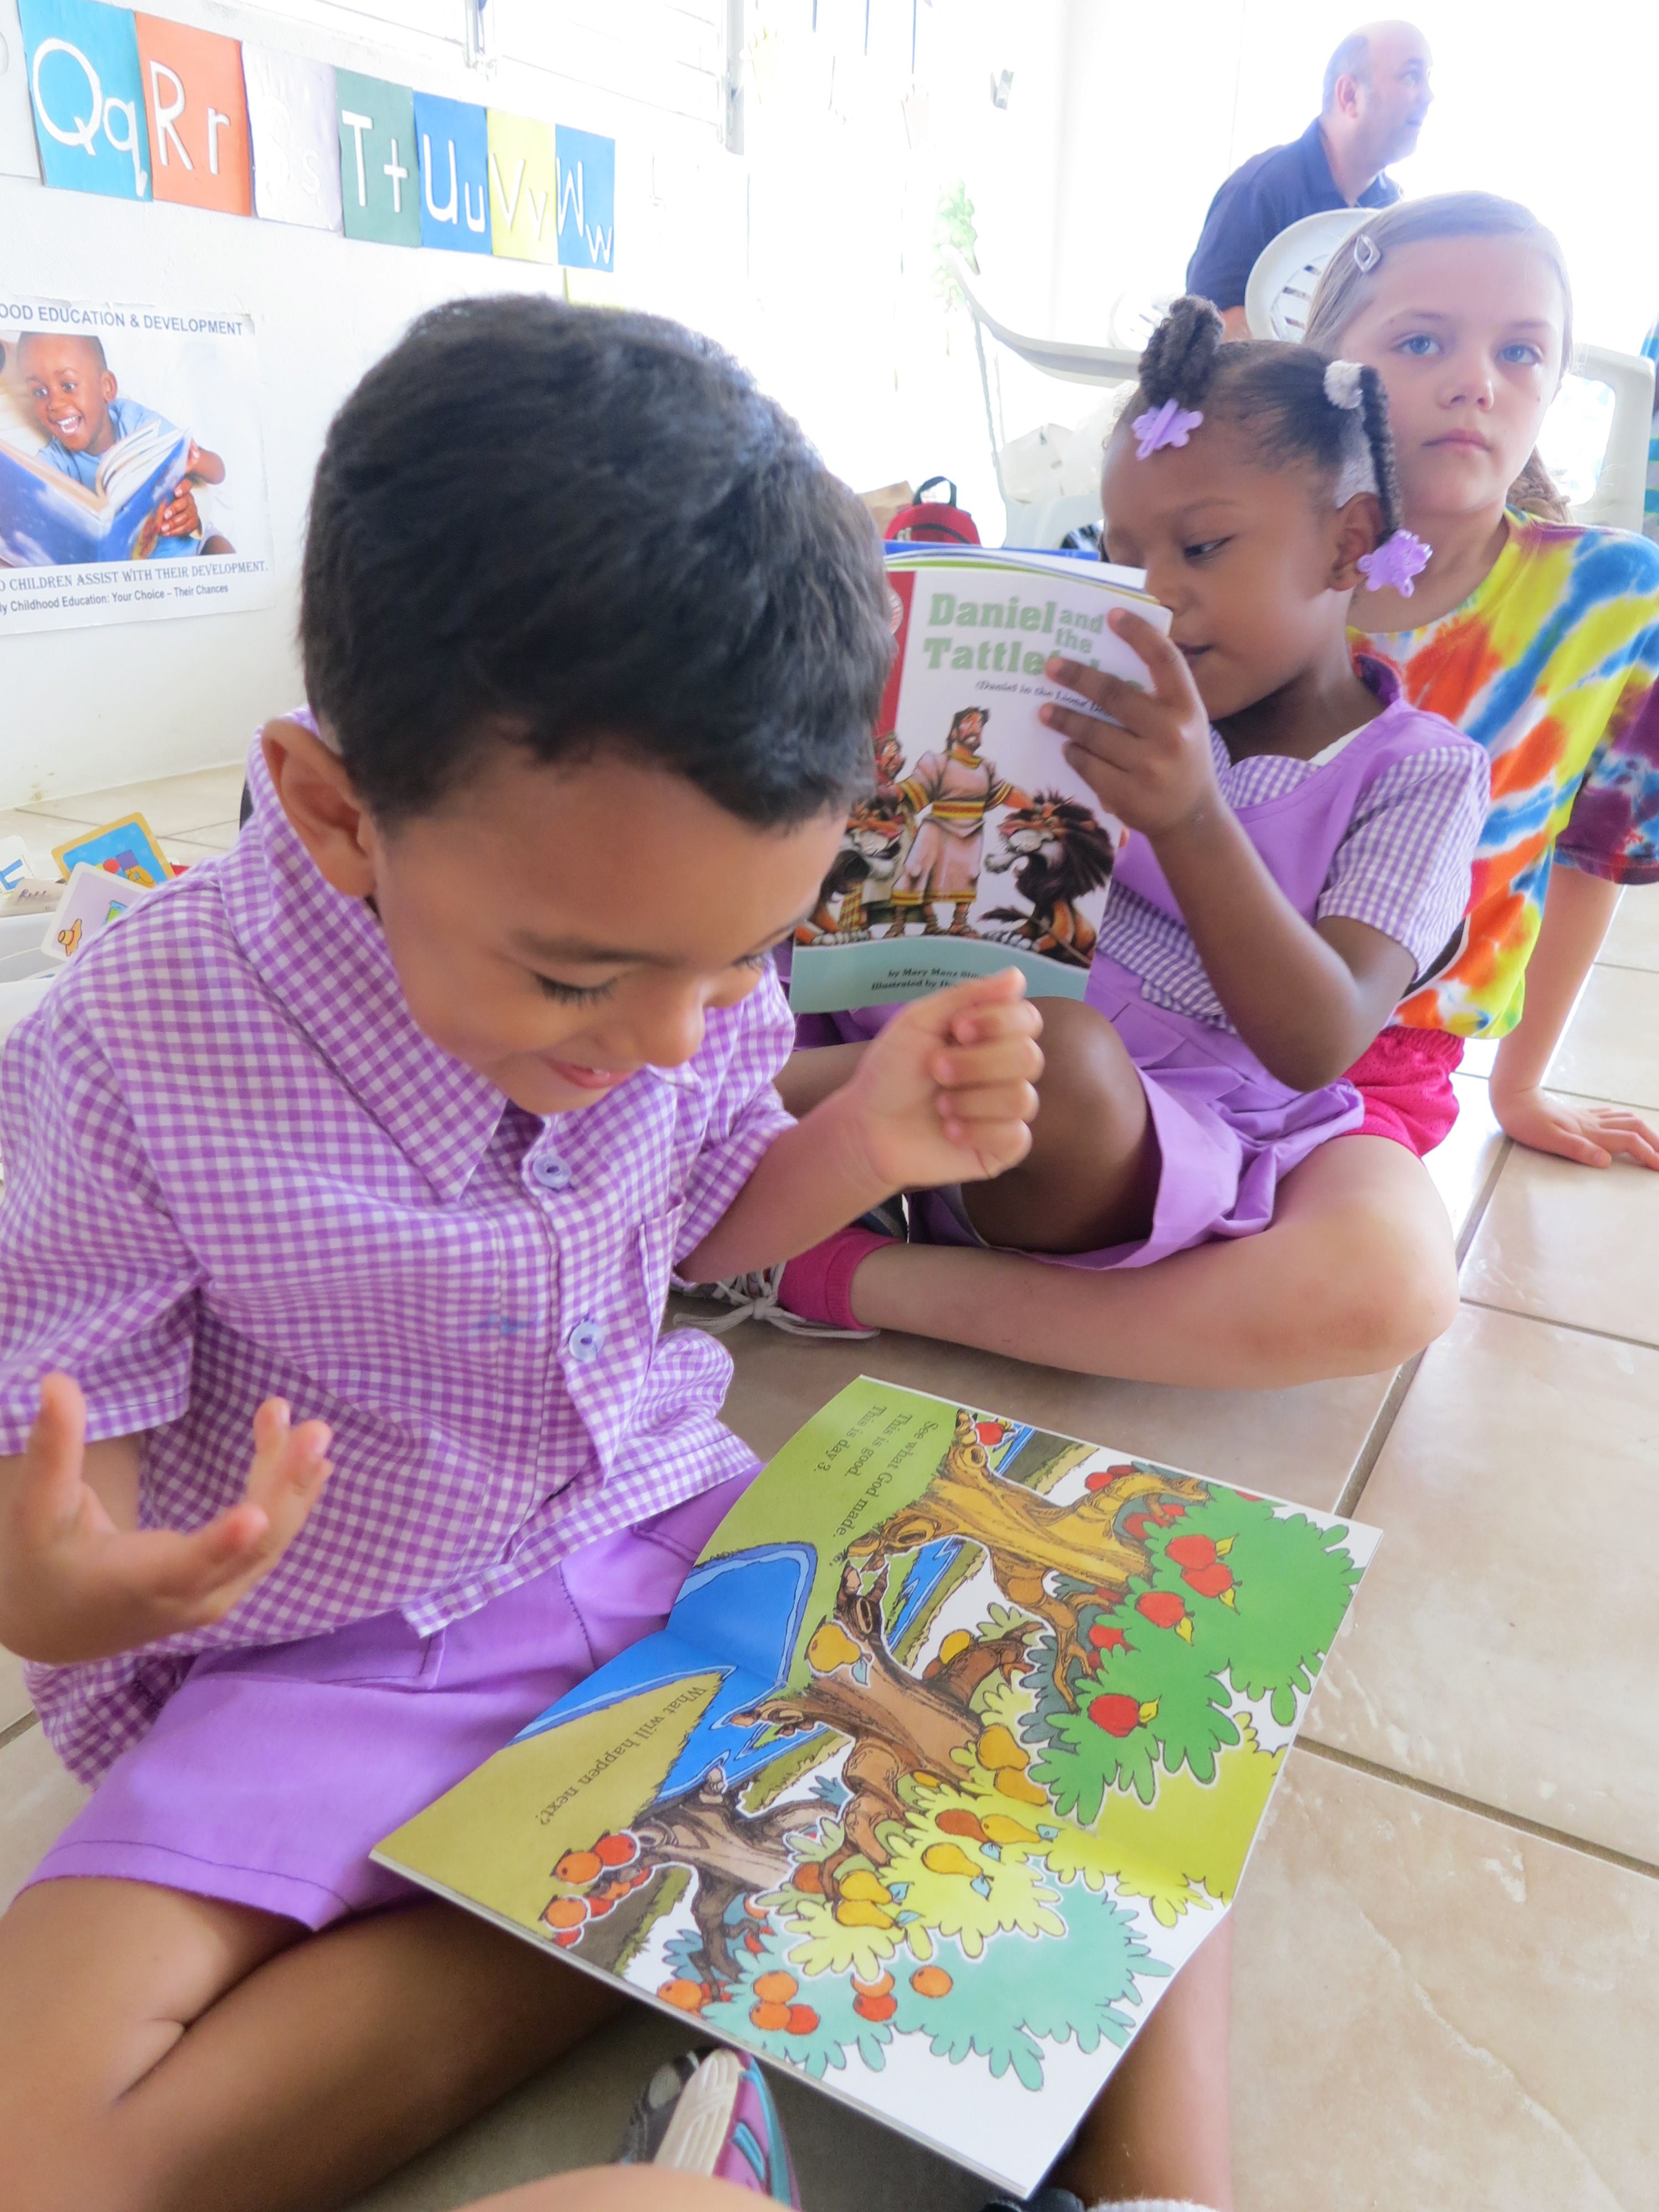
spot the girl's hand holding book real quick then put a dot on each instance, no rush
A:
(1151, 765)
(1306, 999)
(76, 1584)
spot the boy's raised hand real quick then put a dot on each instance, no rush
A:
(946, 1092)
(1155, 770)
(75, 1586)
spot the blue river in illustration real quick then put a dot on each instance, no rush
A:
(739, 1616)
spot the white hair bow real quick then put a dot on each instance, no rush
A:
(1344, 388)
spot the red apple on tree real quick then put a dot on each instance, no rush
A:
(1120, 1715)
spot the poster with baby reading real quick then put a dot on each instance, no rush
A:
(132, 482)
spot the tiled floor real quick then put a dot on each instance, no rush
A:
(192, 815)
(1447, 1987)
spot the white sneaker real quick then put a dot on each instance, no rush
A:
(755, 1297)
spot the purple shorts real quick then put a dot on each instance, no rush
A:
(1227, 1133)
(271, 1774)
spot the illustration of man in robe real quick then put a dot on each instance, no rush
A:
(951, 793)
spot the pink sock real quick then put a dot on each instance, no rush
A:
(818, 1285)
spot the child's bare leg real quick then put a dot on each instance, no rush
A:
(1161, 2127)
(1090, 1176)
(621, 2189)
(1356, 1273)
(808, 1077)
(160, 2052)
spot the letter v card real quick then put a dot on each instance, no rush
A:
(523, 189)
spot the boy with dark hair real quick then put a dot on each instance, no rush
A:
(403, 1111)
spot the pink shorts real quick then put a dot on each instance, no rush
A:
(271, 1774)
(1405, 1077)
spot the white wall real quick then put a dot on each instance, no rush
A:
(85, 708)
(1546, 104)
(843, 316)
(811, 256)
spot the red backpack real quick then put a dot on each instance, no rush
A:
(935, 521)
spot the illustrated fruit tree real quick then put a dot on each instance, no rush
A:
(986, 1840)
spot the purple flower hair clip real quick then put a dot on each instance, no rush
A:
(1168, 425)
(1395, 562)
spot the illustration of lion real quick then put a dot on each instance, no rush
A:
(855, 899)
(1059, 854)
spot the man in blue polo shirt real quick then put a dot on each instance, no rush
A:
(1376, 95)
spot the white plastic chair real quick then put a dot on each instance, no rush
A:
(1043, 525)
(1280, 291)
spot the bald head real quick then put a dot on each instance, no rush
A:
(1376, 96)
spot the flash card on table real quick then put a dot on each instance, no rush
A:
(19, 863)
(127, 847)
(94, 900)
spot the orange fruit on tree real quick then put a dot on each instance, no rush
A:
(690, 1997)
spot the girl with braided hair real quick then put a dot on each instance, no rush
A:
(1300, 837)
(1540, 641)
(1299, 850)
(1538, 636)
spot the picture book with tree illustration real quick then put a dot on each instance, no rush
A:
(951, 1751)
(980, 847)
(48, 519)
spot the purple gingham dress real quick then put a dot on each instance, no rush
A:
(236, 1169)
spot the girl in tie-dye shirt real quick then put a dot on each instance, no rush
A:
(1537, 637)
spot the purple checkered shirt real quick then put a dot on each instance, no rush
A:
(1402, 866)
(235, 1168)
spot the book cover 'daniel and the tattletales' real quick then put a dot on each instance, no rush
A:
(951, 1751)
(980, 847)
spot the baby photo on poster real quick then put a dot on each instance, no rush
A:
(131, 475)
